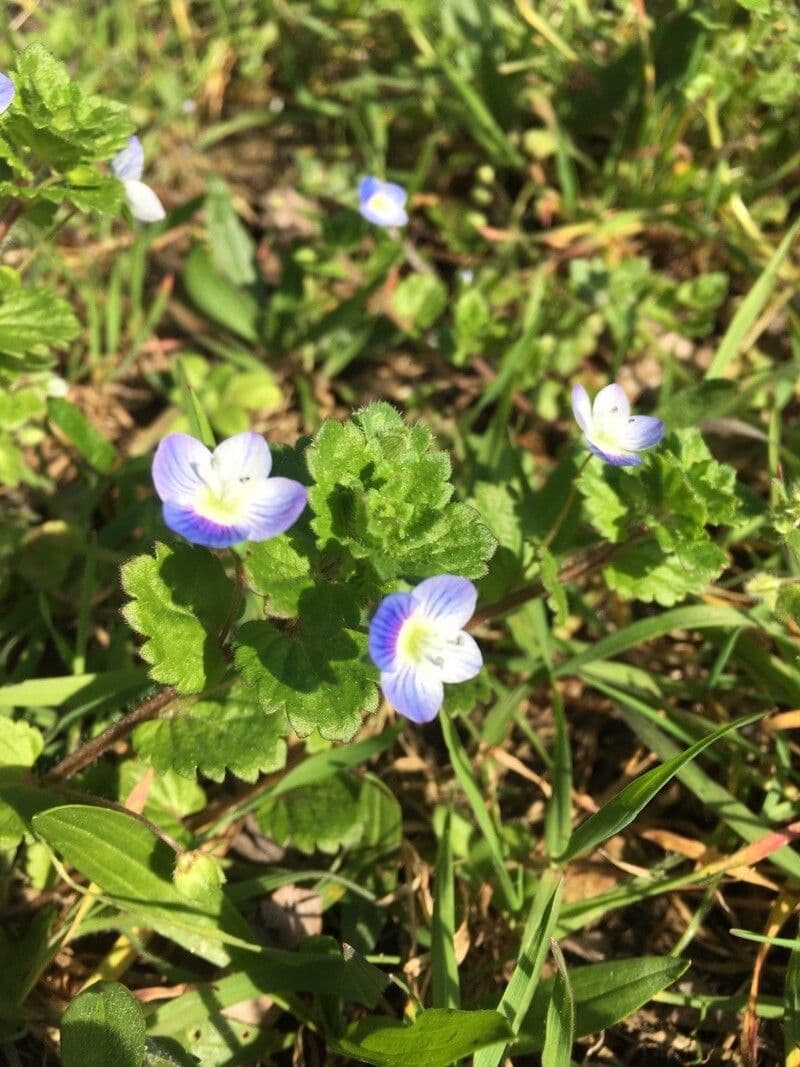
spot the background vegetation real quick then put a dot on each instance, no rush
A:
(594, 189)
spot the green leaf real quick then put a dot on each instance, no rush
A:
(676, 495)
(603, 993)
(166, 1052)
(418, 301)
(181, 600)
(54, 120)
(232, 247)
(751, 307)
(560, 1026)
(280, 570)
(623, 808)
(217, 298)
(436, 1038)
(87, 439)
(643, 571)
(324, 817)
(444, 968)
(226, 733)
(521, 987)
(103, 1025)
(20, 747)
(466, 779)
(316, 668)
(34, 321)
(169, 800)
(791, 1008)
(20, 744)
(135, 868)
(383, 491)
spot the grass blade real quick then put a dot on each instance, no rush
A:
(444, 981)
(560, 1027)
(751, 307)
(518, 996)
(623, 808)
(461, 765)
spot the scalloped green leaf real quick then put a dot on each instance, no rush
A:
(280, 570)
(315, 668)
(644, 572)
(382, 489)
(227, 733)
(57, 122)
(322, 817)
(34, 321)
(181, 600)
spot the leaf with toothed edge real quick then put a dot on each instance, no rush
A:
(314, 668)
(181, 601)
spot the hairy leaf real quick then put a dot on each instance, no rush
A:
(181, 600)
(383, 490)
(314, 668)
(103, 1025)
(227, 733)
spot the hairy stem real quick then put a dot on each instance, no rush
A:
(118, 730)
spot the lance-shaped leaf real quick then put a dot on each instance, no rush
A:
(314, 668)
(181, 600)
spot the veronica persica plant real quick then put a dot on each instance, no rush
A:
(382, 203)
(417, 641)
(7, 92)
(221, 498)
(128, 166)
(609, 429)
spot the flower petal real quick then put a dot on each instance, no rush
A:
(461, 659)
(180, 468)
(143, 202)
(243, 457)
(616, 459)
(382, 203)
(611, 403)
(128, 164)
(581, 407)
(7, 92)
(385, 626)
(273, 507)
(367, 187)
(184, 520)
(416, 694)
(641, 431)
(447, 599)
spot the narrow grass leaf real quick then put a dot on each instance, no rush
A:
(198, 420)
(560, 1026)
(623, 808)
(519, 992)
(444, 976)
(791, 1005)
(751, 307)
(603, 994)
(714, 796)
(463, 770)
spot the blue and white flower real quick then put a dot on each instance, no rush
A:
(220, 498)
(382, 203)
(7, 92)
(128, 166)
(418, 643)
(609, 429)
